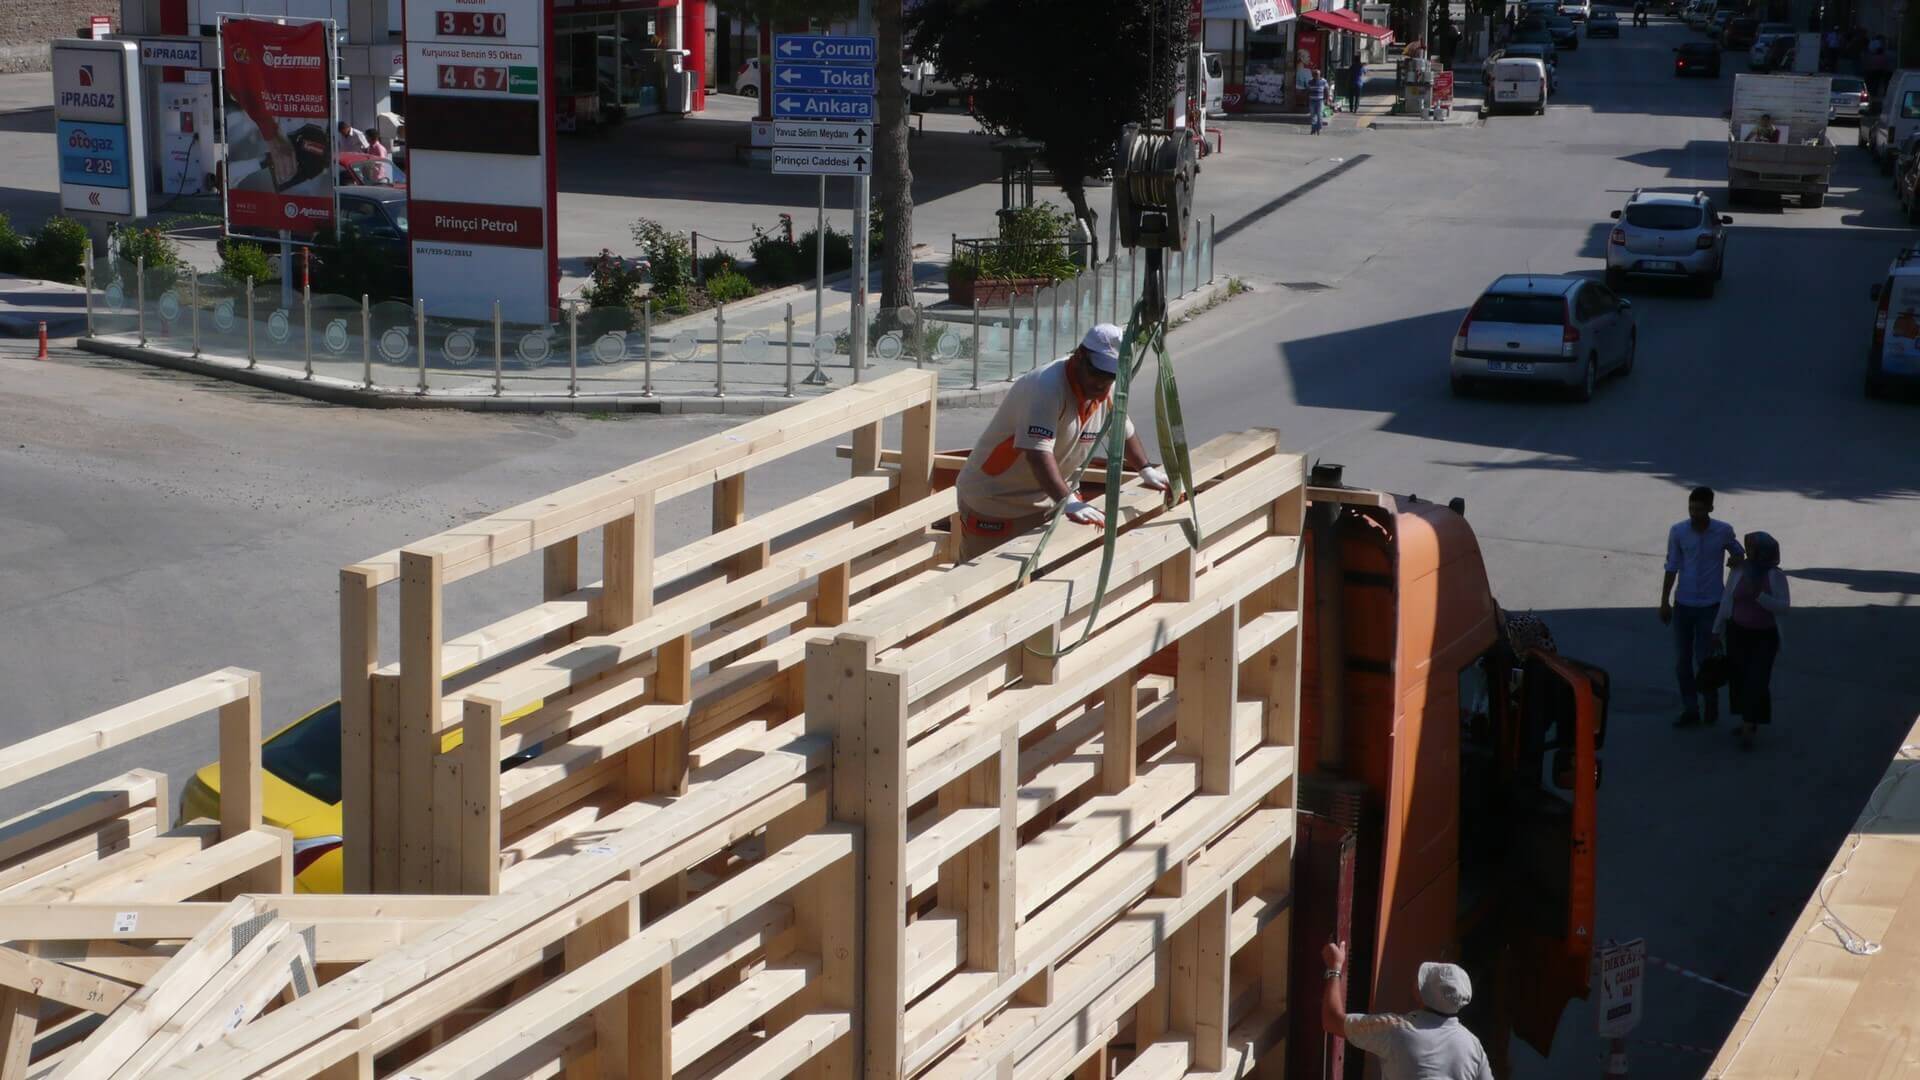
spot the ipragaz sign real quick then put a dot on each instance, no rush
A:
(98, 123)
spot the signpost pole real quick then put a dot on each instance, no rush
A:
(857, 331)
(819, 260)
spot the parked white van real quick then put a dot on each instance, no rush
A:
(1519, 83)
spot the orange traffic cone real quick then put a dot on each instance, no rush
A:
(43, 340)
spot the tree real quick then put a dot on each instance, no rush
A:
(892, 173)
(1068, 74)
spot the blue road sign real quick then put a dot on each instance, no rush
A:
(823, 48)
(817, 105)
(840, 80)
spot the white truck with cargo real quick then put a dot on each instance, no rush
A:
(1777, 140)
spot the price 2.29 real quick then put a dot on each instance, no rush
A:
(473, 77)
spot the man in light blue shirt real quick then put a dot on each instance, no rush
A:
(1695, 548)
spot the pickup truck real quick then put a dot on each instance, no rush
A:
(1777, 137)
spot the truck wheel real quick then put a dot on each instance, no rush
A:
(1813, 201)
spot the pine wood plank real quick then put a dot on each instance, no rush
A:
(65, 745)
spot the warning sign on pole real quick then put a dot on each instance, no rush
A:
(1623, 973)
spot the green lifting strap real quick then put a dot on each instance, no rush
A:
(1172, 434)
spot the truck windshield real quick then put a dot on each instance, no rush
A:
(1663, 216)
(1514, 308)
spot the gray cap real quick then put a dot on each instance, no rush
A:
(1445, 988)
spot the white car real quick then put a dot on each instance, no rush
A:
(1577, 10)
(1520, 84)
(1757, 56)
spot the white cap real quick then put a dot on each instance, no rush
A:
(1445, 988)
(1103, 347)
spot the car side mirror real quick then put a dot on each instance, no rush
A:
(1626, 305)
(1873, 292)
(1615, 215)
(1726, 219)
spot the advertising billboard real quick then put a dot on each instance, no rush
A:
(480, 177)
(98, 124)
(278, 121)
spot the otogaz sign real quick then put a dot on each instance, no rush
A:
(99, 123)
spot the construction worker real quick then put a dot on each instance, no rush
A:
(1042, 431)
(1429, 1043)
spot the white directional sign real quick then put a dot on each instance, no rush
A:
(822, 106)
(825, 47)
(822, 133)
(820, 161)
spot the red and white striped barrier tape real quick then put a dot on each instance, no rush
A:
(1696, 976)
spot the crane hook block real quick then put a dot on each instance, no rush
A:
(1153, 187)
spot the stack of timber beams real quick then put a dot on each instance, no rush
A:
(805, 797)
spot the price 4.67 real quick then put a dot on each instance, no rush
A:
(473, 77)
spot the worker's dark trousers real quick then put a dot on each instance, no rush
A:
(1692, 640)
(1750, 657)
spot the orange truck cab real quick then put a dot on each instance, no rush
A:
(1450, 761)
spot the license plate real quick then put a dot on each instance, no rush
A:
(1509, 367)
(1661, 264)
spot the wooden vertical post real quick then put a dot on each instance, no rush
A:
(730, 509)
(626, 579)
(1212, 978)
(479, 817)
(559, 576)
(385, 824)
(866, 459)
(1120, 745)
(240, 795)
(978, 883)
(1276, 879)
(673, 685)
(916, 453)
(833, 603)
(19, 1015)
(1205, 690)
(620, 1026)
(419, 720)
(359, 656)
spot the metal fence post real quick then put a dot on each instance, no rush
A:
(1034, 343)
(1078, 333)
(1096, 292)
(720, 350)
(646, 349)
(193, 304)
(498, 386)
(1053, 338)
(86, 281)
(573, 351)
(366, 339)
(1013, 332)
(140, 292)
(306, 322)
(250, 356)
(976, 343)
(1209, 249)
(420, 335)
(822, 242)
(1180, 275)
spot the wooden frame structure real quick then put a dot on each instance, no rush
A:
(110, 846)
(842, 808)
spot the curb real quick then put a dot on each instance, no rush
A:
(334, 391)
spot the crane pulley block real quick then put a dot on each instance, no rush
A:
(1153, 185)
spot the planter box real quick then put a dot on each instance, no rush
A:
(992, 292)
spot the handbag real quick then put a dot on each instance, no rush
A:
(1713, 674)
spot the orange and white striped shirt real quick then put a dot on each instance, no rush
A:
(1042, 411)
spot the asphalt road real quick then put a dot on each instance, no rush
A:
(155, 526)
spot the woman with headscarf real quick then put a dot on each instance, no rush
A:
(1749, 611)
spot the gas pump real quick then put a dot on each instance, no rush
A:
(186, 137)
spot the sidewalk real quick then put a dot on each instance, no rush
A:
(27, 302)
(1377, 99)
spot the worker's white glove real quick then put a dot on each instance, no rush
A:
(1154, 477)
(1083, 513)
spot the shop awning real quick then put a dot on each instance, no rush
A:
(1345, 22)
(1260, 13)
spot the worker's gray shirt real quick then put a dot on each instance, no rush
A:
(1420, 1045)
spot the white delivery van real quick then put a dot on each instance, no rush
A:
(1898, 118)
(1519, 83)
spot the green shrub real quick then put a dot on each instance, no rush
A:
(776, 259)
(729, 286)
(241, 261)
(717, 262)
(672, 301)
(149, 244)
(59, 250)
(839, 250)
(668, 254)
(1032, 244)
(13, 248)
(612, 282)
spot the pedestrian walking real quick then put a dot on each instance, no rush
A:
(351, 139)
(1747, 621)
(1429, 1043)
(1694, 550)
(1356, 79)
(1316, 100)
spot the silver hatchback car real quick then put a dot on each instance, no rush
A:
(1667, 235)
(1552, 328)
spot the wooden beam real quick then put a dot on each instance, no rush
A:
(54, 981)
(1120, 739)
(26, 832)
(359, 656)
(626, 555)
(419, 718)
(916, 449)
(1205, 690)
(240, 781)
(479, 816)
(102, 731)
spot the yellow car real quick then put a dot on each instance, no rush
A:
(300, 792)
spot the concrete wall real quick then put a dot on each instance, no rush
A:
(29, 24)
